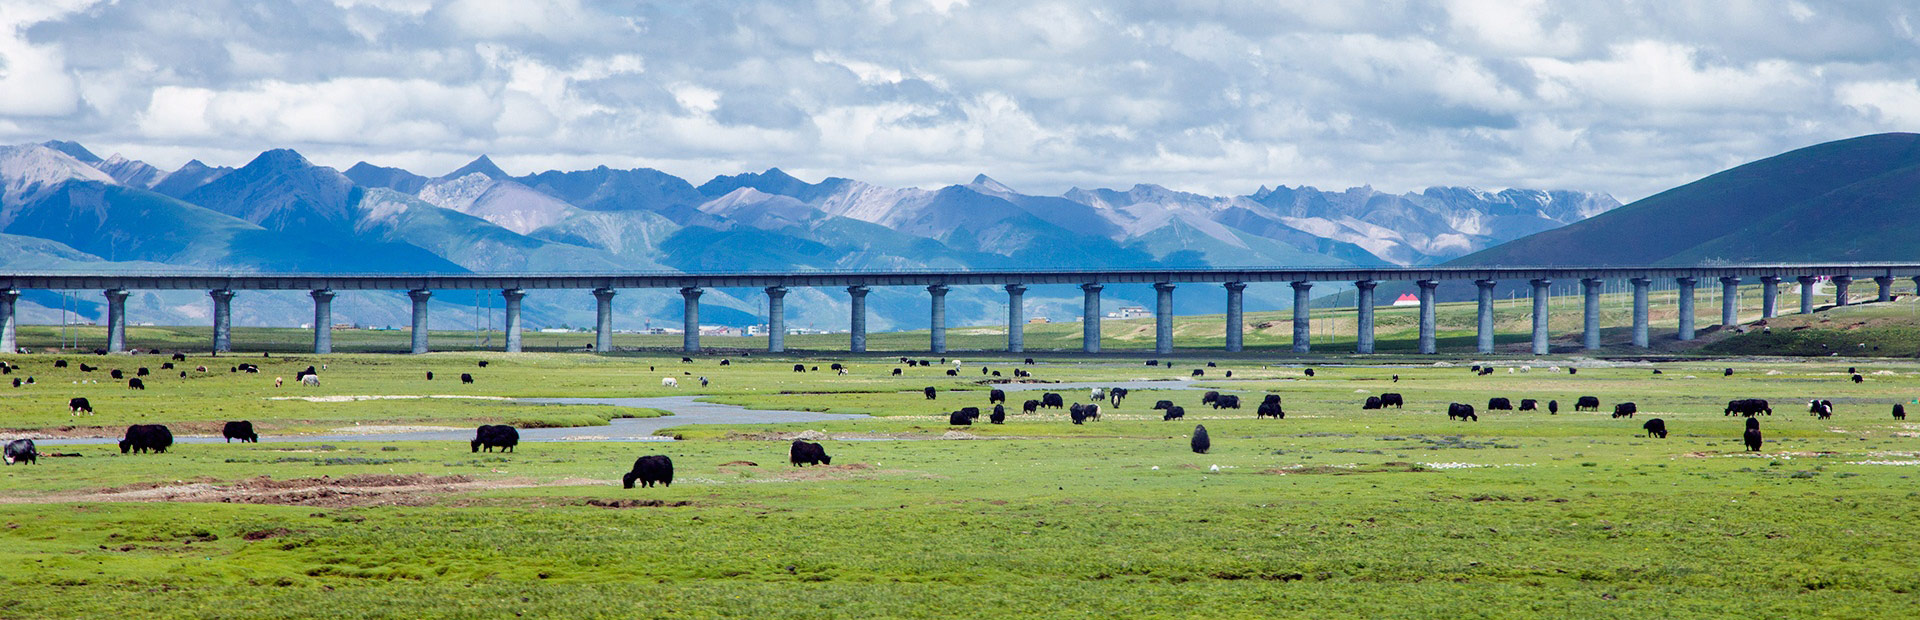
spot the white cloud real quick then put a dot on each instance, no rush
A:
(1897, 102)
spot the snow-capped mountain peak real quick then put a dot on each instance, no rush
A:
(28, 168)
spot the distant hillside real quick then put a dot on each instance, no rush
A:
(1849, 200)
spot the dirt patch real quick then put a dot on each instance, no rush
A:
(345, 491)
(1382, 468)
(265, 534)
(637, 503)
(741, 463)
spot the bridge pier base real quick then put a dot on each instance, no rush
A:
(1886, 288)
(1163, 318)
(1640, 312)
(512, 298)
(1428, 344)
(1540, 315)
(1016, 318)
(1590, 312)
(1769, 296)
(690, 319)
(857, 323)
(116, 319)
(1090, 318)
(1729, 302)
(1840, 284)
(1236, 318)
(1302, 313)
(1806, 294)
(222, 320)
(776, 319)
(322, 320)
(1363, 310)
(419, 297)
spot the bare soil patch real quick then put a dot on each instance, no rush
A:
(325, 491)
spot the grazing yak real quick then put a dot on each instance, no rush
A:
(1373, 402)
(930, 392)
(1269, 410)
(1200, 443)
(836, 366)
(1028, 361)
(959, 418)
(896, 372)
(996, 396)
(1309, 372)
(1899, 411)
(1528, 404)
(999, 415)
(669, 382)
(1553, 406)
(953, 373)
(1163, 404)
(1461, 411)
(141, 372)
(1199, 373)
(79, 405)
(466, 378)
(973, 413)
(491, 436)
(1077, 412)
(1227, 401)
(1174, 413)
(241, 430)
(1209, 398)
(1587, 403)
(1748, 407)
(85, 368)
(136, 384)
(1656, 428)
(1115, 395)
(1858, 378)
(648, 470)
(1091, 411)
(22, 450)
(1097, 394)
(1051, 400)
(1389, 399)
(1625, 410)
(686, 360)
(1486, 371)
(1499, 404)
(804, 452)
(310, 381)
(179, 357)
(429, 375)
(1822, 408)
(726, 362)
(1274, 399)
(59, 363)
(799, 367)
(1752, 436)
(1031, 406)
(153, 438)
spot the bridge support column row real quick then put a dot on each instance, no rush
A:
(1685, 331)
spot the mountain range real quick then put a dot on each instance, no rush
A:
(63, 207)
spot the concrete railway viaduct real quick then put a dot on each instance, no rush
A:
(513, 288)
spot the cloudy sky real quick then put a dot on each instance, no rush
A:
(1217, 97)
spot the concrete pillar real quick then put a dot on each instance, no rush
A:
(1769, 296)
(1484, 312)
(1363, 323)
(1640, 312)
(1016, 318)
(1090, 318)
(1590, 313)
(1886, 288)
(776, 319)
(1302, 310)
(1427, 324)
(1806, 294)
(322, 320)
(603, 320)
(9, 337)
(222, 320)
(689, 319)
(857, 325)
(514, 327)
(1840, 284)
(1540, 296)
(1163, 318)
(938, 321)
(1685, 331)
(1729, 302)
(116, 319)
(419, 297)
(1236, 317)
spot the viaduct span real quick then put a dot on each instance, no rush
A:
(513, 288)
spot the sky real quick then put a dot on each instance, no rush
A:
(1216, 97)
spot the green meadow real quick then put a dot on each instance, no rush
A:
(1333, 511)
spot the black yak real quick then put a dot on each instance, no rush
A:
(1077, 412)
(79, 405)
(1625, 410)
(1209, 398)
(153, 438)
(1461, 411)
(1052, 401)
(1200, 442)
(804, 452)
(958, 418)
(22, 450)
(999, 415)
(1199, 373)
(1656, 428)
(1499, 404)
(466, 378)
(930, 392)
(896, 372)
(1373, 402)
(1528, 404)
(799, 367)
(1748, 407)
(491, 436)
(1899, 411)
(1163, 404)
(648, 470)
(1553, 406)
(1174, 413)
(1390, 399)
(1752, 436)
(1269, 410)
(1227, 401)
(996, 396)
(1030, 406)
(1587, 403)
(241, 430)
(136, 384)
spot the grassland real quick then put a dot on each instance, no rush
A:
(1331, 512)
